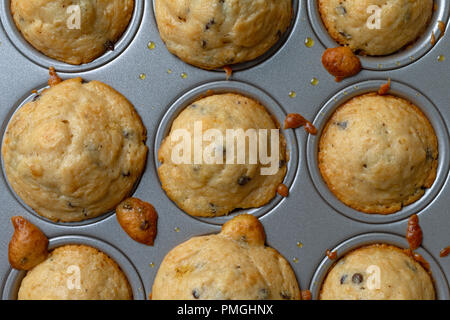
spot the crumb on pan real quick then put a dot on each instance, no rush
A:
(138, 219)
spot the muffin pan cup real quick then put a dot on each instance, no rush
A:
(13, 281)
(442, 292)
(40, 59)
(303, 225)
(407, 55)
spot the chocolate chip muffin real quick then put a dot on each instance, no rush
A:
(234, 264)
(72, 31)
(352, 23)
(76, 151)
(76, 272)
(377, 272)
(378, 153)
(231, 179)
(214, 33)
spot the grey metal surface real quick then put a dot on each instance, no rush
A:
(310, 215)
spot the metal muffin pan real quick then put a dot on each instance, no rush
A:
(302, 226)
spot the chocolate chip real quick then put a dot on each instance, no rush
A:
(285, 295)
(263, 293)
(430, 154)
(70, 205)
(36, 97)
(213, 207)
(195, 294)
(345, 35)
(109, 45)
(282, 163)
(341, 10)
(126, 134)
(343, 278)
(342, 124)
(204, 43)
(410, 266)
(357, 278)
(243, 180)
(210, 24)
(126, 173)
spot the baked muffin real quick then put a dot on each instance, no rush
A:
(377, 272)
(211, 34)
(234, 264)
(210, 190)
(378, 153)
(76, 151)
(100, 278)
(50, 26)
(402, 22)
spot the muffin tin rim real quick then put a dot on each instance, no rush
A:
(397, 89)
(274, 109)
(440, 282)
(40, 59)
(400, 59)
(13, 279)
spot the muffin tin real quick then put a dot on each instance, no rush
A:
(302, 226)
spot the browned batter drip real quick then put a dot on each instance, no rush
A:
(444, 252)
(306, 295)
(414, 233)
(282, 190)
(54, 79)
(384, 89)
(295, 120)
(332, 255)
